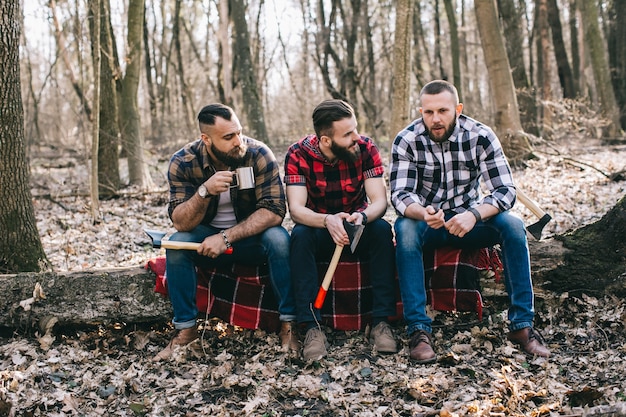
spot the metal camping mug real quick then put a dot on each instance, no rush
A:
(244, 178)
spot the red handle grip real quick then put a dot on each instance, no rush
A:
(319, 300)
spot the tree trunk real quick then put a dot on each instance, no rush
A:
(596, 257)
(617, 55)
(455, 49)
(108, 158)
(507, 121)
(20, 246)
(62, 47)
(601, 73)
(224, 63)
(421, 66)
(150, 87)
(544, 67)
(400, 105)
(574, 45)
(324, 51)
(82, 298)
(131, 124)
(514, 41)
(443, 73)
(564, 69)
(185, 95)
(512, 25)
(252, 101)
(350, 31)
(373, 99)
(96, 51)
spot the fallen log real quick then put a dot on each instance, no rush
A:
(126, 295)
(118, 295)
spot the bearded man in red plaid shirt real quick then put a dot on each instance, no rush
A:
(330, 176)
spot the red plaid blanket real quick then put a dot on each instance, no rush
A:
(242, 295)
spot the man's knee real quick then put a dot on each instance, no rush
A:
(408, 232)
(277, 238)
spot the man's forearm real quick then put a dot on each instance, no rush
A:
(188, 215)
(256, 223)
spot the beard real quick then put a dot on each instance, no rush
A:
(345, 154)
(232, 158)
(445, 135)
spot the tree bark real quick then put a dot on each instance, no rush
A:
(511, 18)
(20, 246)
(82, 298)
(600, 65)
(400, 110)
(574, 31)
(185, 95)
(108, 158)
(563, 67)
(224, 63)
(455, 49)
(132, 135)
(61, 43)
(150, 86)
(617, 55)
(96, 51)
(252, 101)
(507, 121)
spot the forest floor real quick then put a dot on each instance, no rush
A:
(107, 370)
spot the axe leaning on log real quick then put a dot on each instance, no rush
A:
(534, 229)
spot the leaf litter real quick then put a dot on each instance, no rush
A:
(238, 372)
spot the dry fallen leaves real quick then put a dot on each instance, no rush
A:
(107, 371)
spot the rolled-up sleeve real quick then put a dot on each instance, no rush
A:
(403, 174)
(272, 191)
(496, 173)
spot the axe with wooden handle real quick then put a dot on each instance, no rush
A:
(534, 229)
(354, 235)
(158, 242)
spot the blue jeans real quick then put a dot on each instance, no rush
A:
(310, 244)
(271, 246)
(504, 229)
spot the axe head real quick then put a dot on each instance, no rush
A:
(354, 233)
(156, 237)
(535, 229)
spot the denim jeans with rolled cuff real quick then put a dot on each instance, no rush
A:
(271, 247)
(505, 229)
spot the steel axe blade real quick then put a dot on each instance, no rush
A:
(354, 232)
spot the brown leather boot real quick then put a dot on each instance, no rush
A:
(289, 336)
(420, 349)
(182, 338)
(530, 341)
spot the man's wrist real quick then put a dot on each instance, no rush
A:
(226, 241)
(476, 214)
(325, 219)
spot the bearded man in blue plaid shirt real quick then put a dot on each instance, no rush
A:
(232, 225)
(436, 164)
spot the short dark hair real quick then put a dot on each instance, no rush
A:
(439, 86)
(208, 114)
(328, 112)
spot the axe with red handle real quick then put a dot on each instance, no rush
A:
(354, 235)
(158, 242)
